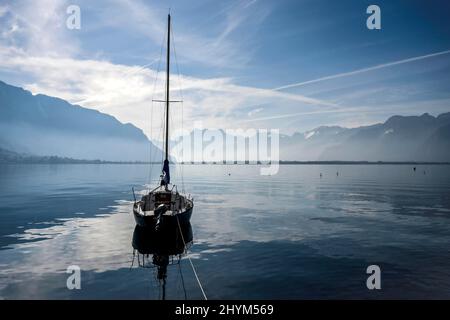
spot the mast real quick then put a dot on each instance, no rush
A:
(167, 88)
(166, 171)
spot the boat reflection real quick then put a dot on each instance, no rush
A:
(161, 247)
(170, 240)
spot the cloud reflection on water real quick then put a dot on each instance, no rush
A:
(291, 235)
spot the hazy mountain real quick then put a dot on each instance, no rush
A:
(45, 126)
(400, 138)
(42, 125)
(311, 144)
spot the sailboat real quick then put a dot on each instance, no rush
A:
(164, 207)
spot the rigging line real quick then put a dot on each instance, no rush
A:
(176, 63)
(152, 107)
(159, 138)
(182, 141)
(180, 86)
(164, 136)
(177, 168)
(152, 155)
(189, 258)
(150, 168)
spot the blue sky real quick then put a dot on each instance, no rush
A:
(291, 65)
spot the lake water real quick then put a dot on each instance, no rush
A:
(291, 235)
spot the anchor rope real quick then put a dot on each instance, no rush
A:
(190, 261)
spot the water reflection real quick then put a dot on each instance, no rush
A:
(293, 235)
(164, 242)
(161, 247)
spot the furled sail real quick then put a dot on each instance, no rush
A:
(166, 173)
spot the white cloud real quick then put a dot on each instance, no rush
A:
(193, 45)
(46, 52)
(40, 29)
(126, 91)
(3, 10)
(36, 46)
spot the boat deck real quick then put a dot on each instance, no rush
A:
(167, 213)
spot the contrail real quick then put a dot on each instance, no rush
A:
(290, 115)
(351, 73)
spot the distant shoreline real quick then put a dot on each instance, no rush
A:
(10, 157)
(73, 161)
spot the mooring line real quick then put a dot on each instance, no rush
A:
(192, 265)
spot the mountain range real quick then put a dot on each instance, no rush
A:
(40, 125)
(400, 138)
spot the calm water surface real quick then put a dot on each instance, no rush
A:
(291, 235)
